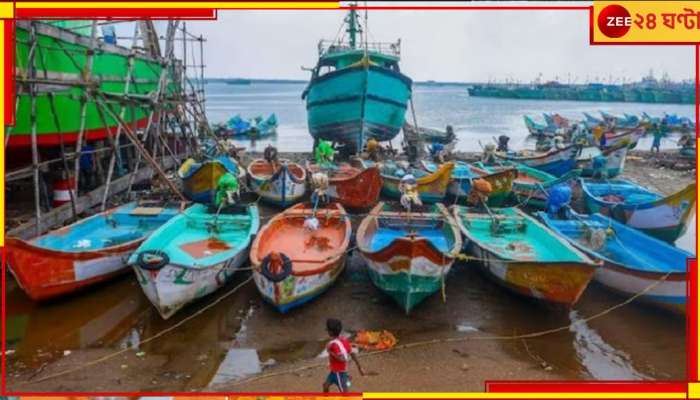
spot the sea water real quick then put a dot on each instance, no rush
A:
(476, 120)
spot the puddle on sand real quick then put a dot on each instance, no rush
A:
(238, 364)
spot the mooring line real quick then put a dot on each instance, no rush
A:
(458, 339)
(154, 337)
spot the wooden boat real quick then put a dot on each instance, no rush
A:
(89, 251)
(432, 187)
(531, 186)
(629, 136)
(463, 174)
(194, 254)
(356, 92)
(525, 256)
(614, 160)
(408, 254)
(281, 183)
(293, 264)
(632, 261)
(199, 179)
(428, 135)
(664, 217)
(254, 128)
(556, 161)
(352, 187)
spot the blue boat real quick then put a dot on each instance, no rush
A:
(664, 217)
(557, 161)
(633, 262)
(356, 91)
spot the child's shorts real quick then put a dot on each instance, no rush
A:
(340, 379)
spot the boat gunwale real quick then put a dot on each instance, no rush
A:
(444, 169)
(27, 245)
(689, 189)
(377, 213)
(296, 211)
(608, 262)
(251, 212)
(585, 259)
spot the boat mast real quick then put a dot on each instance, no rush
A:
(353, 29)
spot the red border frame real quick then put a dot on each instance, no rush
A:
(490, 386)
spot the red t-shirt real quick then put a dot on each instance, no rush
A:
(340, 348)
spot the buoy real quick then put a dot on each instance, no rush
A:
(61, 191)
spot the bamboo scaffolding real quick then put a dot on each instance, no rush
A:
(83, 108)
(33, 120)
(113, 158)
(172, 124)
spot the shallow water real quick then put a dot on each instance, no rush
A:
(242, 335)
(476, 120)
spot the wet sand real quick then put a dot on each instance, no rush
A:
(243, 338)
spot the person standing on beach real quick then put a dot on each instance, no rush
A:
(656, 144)
(339, 354)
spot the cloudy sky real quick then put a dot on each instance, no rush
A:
(463, 45)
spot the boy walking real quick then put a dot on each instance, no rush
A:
(339, 355)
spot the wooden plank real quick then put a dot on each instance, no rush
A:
(59, 215)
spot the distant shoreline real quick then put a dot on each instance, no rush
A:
(247, 81)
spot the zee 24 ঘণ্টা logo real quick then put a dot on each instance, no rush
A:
(615, 21)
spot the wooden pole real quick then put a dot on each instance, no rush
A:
(83, 106)
(33, 120)
(134, 139)
(113, 158)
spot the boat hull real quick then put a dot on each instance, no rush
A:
(353, 104)
(109, 67)
(501, 185)
(614, 166)
(44, 274)
(172, 287)
(200, 186)
(431, 188)
(281, 189)
(553, 283)
(295, 291)
(358, 189)
(666, 218)
(557, 162)
(315, 257)
(408, 271)
(669, 293)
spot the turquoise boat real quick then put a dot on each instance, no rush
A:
(523, 255)
(194, 254)
(633, 262)
(356, 91)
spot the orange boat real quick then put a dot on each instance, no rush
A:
(89, 251)
(294, 262)
(352, 187)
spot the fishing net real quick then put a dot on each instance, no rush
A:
(595, 238)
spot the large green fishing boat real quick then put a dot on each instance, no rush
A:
(356, 91)
(65, 70)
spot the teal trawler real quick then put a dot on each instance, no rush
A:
(356, 91)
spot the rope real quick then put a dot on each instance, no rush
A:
(149, 339)
(464, 339)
